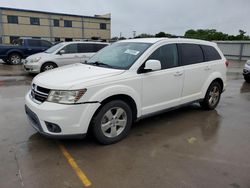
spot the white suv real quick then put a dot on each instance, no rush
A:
(124, 82)
(64, 53)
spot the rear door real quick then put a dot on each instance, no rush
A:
(87, 50)
(70, 55)
(162, 88)
(196, 71)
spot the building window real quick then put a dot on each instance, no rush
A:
(12, 19)
(67, 23)
(57, 39)
(103, 26)
(34, 21)
(12, 38)
(68, 39)
(1, 40)
(56, 23)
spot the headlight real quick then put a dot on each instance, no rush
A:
(35, 59)
(248, 62)
(66, 97)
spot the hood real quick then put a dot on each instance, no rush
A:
(68, 76)
(42, 55)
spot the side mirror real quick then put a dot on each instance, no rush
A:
(62, 52)
(152, 65)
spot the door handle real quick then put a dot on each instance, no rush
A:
(178, 73)
(207, 68)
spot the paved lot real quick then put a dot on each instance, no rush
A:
(187, 147)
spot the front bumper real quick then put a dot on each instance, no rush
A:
(73, 120)
(246, 71)
(31, 67)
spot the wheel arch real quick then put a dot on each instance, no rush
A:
(15, 52)
(123, 97)
(118, 92)
(214, 77)
(47, 62)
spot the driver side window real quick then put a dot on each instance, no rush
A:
(167, 55)
(70, 49)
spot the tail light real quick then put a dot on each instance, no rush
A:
(226, 63)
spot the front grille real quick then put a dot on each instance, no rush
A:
(39, 94)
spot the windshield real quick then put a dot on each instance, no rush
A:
(121, 55)
(54, 48)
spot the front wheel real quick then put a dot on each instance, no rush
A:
(48, 66)
(247, 79)
(15, 59)
(112, 123)
(212, 97)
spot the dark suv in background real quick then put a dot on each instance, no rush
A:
(22, 48)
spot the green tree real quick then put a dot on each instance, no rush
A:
(163, 34)
(144, 35)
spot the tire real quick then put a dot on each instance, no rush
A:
(105, 126)
(5, 60)
(48, 66)
(212, 96)
(14, 59)
(247, 79)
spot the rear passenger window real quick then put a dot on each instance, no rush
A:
(167, 55)
(190, 54)
(86, 48)
(34, 43)
(210, 53)
(99, 47)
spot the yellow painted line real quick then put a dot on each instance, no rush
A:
(84, 179)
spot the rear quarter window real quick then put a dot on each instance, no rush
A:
(190, 54)
(210, 53)
(45, 43)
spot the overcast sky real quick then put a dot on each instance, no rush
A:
(152, 16)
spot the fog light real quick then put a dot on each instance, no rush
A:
(52, 127)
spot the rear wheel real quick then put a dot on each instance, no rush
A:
(247, 79)
(212, 97)
(15, 59)
(48, 66)
(113, 122)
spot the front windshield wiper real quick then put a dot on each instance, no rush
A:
(99, 63)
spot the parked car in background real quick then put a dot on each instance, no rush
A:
(61, 54)
(125, 81)
(246, 71)
(22, 48)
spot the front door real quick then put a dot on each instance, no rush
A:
(162, 89)
(70, 55)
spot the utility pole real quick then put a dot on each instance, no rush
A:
(120, 34)
(134, 34)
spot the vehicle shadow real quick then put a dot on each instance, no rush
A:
(245, 88)
(161, 128)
